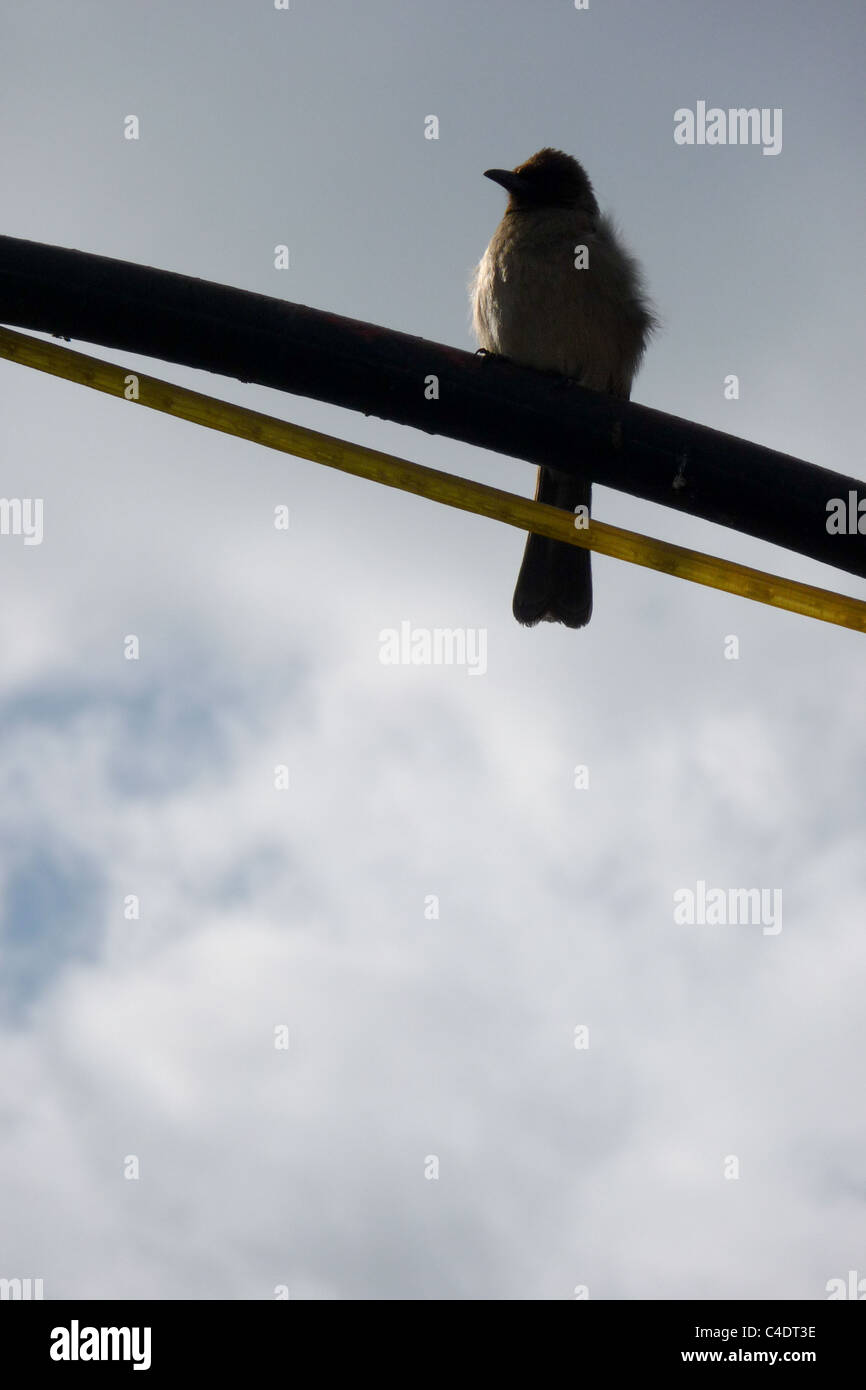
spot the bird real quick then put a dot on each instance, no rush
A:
(541, 300)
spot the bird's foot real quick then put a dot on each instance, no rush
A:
(494, 356)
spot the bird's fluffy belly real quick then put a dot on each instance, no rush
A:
(545, 313)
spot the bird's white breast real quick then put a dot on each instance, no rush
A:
(532, 302)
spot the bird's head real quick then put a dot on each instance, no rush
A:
(549, 179)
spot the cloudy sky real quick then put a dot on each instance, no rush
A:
(431, 1131)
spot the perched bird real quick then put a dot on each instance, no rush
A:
(541, 301)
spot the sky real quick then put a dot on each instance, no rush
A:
(510, 1071)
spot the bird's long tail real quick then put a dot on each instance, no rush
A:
(555, 580)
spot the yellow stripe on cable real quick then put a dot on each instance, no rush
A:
(439, 487)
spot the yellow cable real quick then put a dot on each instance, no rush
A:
(439, 487)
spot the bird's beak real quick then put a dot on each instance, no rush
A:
(511, 182)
